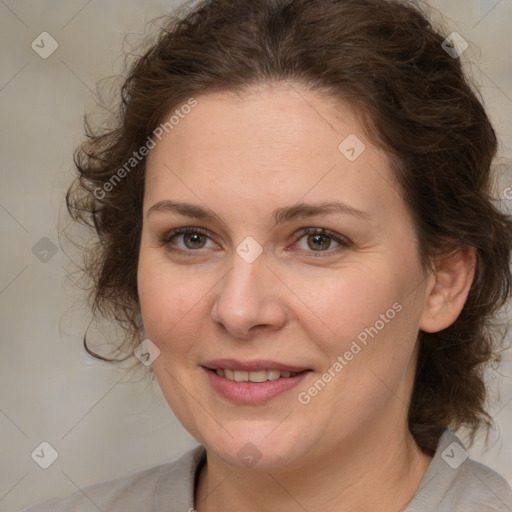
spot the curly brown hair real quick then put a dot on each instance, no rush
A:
(383, 57)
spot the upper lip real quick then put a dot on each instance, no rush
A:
(252, 366)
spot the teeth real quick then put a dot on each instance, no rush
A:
(256, 376)
(260, 376)
(273, 374)
(240, 376)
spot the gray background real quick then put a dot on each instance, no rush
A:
(105, 421)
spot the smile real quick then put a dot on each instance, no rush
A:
(252, 383)
(254, 376)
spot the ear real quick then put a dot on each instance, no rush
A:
(450, 284)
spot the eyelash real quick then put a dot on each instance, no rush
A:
(344, 242)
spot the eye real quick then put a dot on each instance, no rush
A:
(320, 240)
(312, 240)
(191, 239)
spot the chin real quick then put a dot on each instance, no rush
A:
(257, 451)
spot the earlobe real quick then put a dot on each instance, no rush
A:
(452, 279)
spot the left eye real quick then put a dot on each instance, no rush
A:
(319, 240)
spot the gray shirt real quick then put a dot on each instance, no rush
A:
(452, 483)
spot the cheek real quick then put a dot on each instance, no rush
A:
(169, 301)
(344, 304)
(366, 315)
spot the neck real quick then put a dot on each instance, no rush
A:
(370, 471)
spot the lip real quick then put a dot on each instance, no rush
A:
(252, 366)
(252, 393)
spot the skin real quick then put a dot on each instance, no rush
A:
(242, 157)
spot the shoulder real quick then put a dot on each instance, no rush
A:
(146, 490)
(481, 486)
(454, 482)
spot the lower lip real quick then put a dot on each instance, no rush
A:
(252, 392)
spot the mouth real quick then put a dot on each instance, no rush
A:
(253, 382)
(254, 376)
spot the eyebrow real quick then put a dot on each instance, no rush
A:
(280, 216)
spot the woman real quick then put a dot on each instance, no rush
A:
(294, 210)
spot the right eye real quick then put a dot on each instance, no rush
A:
(191, 239)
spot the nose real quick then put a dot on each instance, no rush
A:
(249, 300)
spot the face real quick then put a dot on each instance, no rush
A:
(246, 274)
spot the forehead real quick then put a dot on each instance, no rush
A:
(281, 144)
(284, 121)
